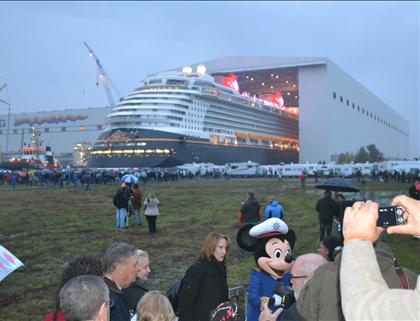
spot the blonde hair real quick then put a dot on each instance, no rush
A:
(210, 243)
(154, 306)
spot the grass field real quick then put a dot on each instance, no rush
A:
(46, 228)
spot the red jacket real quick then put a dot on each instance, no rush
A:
(59, 316)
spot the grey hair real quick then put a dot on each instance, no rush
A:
(142, 254)
(82, 297)
(117, 253)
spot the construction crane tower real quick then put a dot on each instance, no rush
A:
(104, 79)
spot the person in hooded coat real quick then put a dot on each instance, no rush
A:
(273, 209)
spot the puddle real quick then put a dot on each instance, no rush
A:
(384, 198)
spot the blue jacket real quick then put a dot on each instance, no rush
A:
(275, 209)
(262, 284)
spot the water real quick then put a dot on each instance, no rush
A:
(384, 198)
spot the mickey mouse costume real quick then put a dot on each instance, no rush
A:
(272, 247)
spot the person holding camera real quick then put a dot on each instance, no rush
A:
(364, 293)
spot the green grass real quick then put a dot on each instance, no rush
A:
(46, 228)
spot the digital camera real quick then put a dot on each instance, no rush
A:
(287, 295)
(390, 216)
(387, 216)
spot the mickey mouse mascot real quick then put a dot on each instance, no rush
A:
(272, 243)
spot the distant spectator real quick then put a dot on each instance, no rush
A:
(329, 246)
(80, 266)
(414, 190)
(85, 298)
(121, 266)
(302, 178)
(327, 208)
(121, 203)
(273, 209)
(151, 212)
(154, 306)
(137, 203)
(250, 210)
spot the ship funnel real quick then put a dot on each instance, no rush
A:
(201, 69)
(187, 69)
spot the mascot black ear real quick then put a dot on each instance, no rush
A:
(291, 238)
(244, 240)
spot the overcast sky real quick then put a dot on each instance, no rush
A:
(46, 66)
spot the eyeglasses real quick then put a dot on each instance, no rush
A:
(110, 303)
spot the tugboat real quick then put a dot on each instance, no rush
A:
(34, 156)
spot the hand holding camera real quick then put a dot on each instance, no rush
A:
(411, 216)
(360, 222)
(284, 296)
(367, 220)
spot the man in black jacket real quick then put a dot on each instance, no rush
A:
(327, 209)
(121, 266)
(250, 210)
(120, 201)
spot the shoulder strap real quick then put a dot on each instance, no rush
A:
(405, 284)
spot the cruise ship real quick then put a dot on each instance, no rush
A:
(186, 116)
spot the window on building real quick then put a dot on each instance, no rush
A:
(334, 95)
(63, 129)
(358, 108)
(341, 98)
(14, 131)
(347, 102)
(352, 105)
(1, 132)
(46, 130)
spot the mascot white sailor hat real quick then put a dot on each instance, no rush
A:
(271, 227)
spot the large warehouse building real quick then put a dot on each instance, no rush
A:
(336, 113)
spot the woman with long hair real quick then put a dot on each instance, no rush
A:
(204, 285)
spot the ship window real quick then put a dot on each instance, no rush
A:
(46, 130)
(99, 127)
(63, 129)
(14, 131)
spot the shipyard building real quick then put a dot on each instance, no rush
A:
(336, 114)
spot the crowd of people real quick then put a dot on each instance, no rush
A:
(353, 276)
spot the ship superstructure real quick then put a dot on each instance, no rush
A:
(179, 117)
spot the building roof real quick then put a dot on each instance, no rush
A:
(247, 63)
